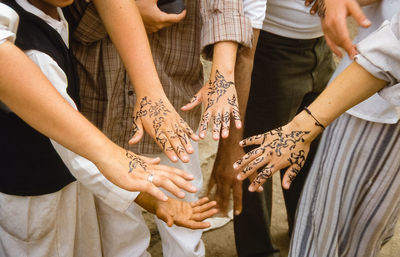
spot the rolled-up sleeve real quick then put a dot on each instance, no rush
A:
(379, 54)
(255, 10)
(223, 20)
(8, 23)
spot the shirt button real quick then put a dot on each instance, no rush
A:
(130, 92)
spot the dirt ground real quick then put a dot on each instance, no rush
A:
(221, 242)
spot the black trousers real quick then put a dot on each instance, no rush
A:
(288, 74)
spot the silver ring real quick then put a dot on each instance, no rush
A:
(150, 178)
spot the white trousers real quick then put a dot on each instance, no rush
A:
(60, 224)
(127, 234)
(178, 241)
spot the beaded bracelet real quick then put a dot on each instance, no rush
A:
(317, 123)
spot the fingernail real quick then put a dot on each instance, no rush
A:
(215, 136)
(225, 133)
(185, 158)
(181, 194)
(174, 158)
(366, 22)
(239, 125)
(202, 134)
(251, 188)
(287, 184)
(239, 177)
(190, 149)
(235, 166)
(237, 212)
(312, 11)
(193, 188)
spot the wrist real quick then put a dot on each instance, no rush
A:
(305, 122)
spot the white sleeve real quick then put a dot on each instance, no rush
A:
(8, 23)
(82, 169)
(255, 10)
(379, 54)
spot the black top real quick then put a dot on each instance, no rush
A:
(29, 163)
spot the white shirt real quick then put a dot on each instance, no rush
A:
(8, 23)
(82, 169)
(375, 108)
(287, 18)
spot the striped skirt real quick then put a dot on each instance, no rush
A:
(351, 199)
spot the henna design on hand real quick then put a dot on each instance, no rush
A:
(158, 111)
(297, 159)
(235, 108)
(135, 162)
(265, 174)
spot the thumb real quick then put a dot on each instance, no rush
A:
(164, 216)
(175, 18)
(137, 131)
(355, 11)
(196, 100)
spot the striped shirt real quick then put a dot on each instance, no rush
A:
(107, 96)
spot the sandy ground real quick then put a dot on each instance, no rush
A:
(221, 242)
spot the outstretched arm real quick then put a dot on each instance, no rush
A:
(27, 92)
(153, 111)
(288, 146)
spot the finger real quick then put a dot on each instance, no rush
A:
(204, 124)
(223, 197)
(164, 216)
(137, 131)
(154, 191)
(204, 215)
(236, 113)
(183, 137)
(253, 177)
(237, 197)
(265, 174)
(210, 186)
(178, 181)
(333, 46)
(354, 10)
(169, 169)
(199, 202)
(204, 207)
(289, 176)
(254, 140)
(192, 224)
(164, 182)
(162, 140)
(253, 166)
(188, 130)
(314, 8)
(150, 160)
(217, 121)
(226, 122)
(174, 18)
(308, 2)
(196, 100)
(177, 146)
(248, 157)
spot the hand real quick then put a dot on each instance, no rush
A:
(153, 18)
(279, 148)
(184, 214)
(164, 125)
(223, 177)
(333, 15)
(220, 98)
(131, 172)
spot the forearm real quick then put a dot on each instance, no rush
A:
(147, 202)
(224, 59)
(26, 91)
(243, 70)
(351, 87)
(125, 27)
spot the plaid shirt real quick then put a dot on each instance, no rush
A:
(107, 96)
